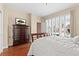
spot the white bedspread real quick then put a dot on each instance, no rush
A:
(54, 46)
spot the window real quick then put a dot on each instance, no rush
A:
(53, 25)
(58, 25)
(48, 26)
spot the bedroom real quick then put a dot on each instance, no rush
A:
(44, 21)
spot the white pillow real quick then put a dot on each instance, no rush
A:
(76, 39)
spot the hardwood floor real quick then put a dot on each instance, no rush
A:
(20, 50)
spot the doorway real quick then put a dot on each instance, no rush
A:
(38, 27)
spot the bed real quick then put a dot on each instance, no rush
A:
(54, 46)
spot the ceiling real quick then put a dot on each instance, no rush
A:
(40, 9)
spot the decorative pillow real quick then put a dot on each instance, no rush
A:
(76, 39)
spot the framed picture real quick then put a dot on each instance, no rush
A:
(20, 21)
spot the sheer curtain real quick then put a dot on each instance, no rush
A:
(59, 25)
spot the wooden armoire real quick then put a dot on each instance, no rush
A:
(20, 34)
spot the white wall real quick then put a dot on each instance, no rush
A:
(43, 27)
(34, 21)
(12, 14)
(76, 20)
(9, 20)
(1, 32)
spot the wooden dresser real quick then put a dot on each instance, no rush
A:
(20, 34)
